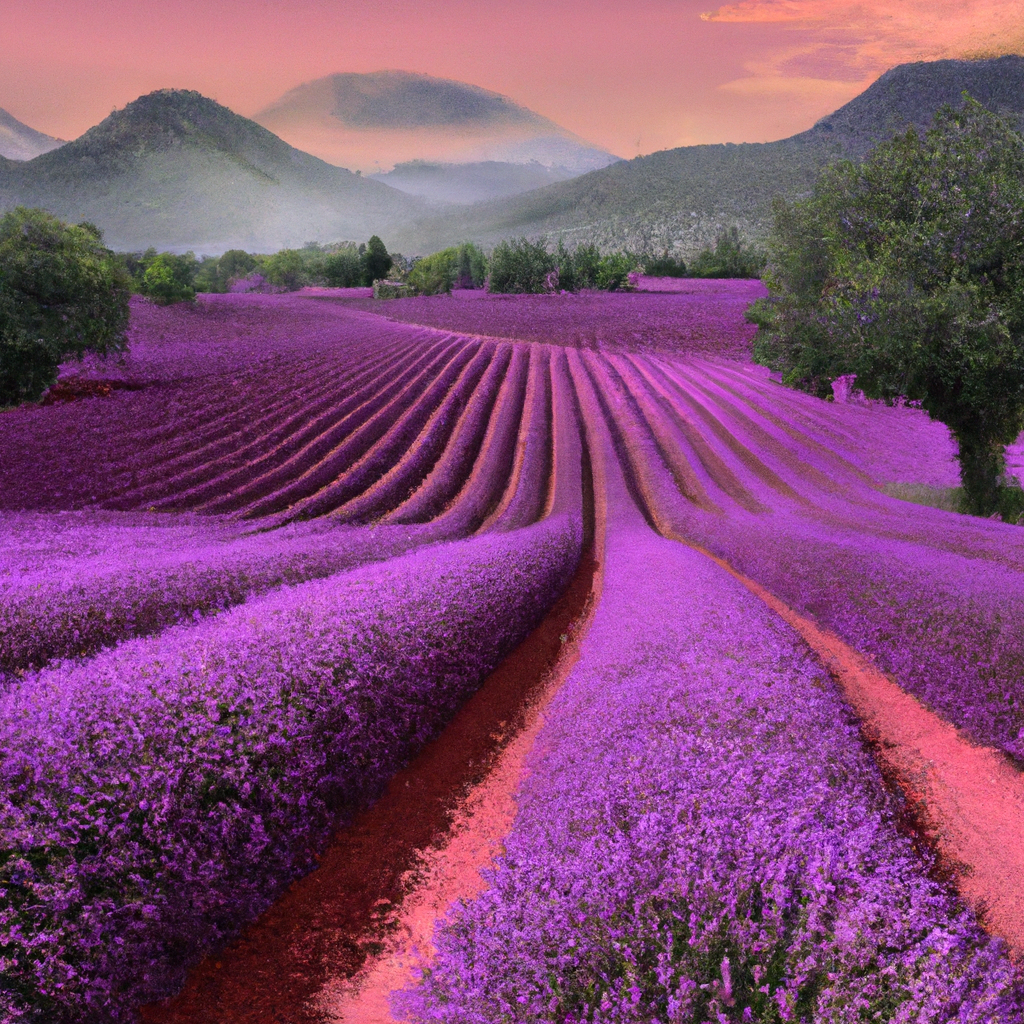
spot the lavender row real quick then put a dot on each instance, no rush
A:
(702, 834)
(948, 627)
(158, 796)
(934, 597)
(75, 606)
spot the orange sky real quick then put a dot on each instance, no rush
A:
(633, 76)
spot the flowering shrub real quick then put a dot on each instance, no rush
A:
(75, 607)
(702, 834)
(158, 796)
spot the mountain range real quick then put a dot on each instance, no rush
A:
(176, 170)
(19, 142)
(680, 199)
(370, 122)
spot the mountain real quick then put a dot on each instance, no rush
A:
(470, 183)
(681, 198)
(373, 121)
(178, 171)
(19, 142)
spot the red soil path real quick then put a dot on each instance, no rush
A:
(327, 924)
(968, 801)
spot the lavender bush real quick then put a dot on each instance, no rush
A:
(158, 796)
(702, 834)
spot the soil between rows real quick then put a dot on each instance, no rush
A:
(326, 925)
(965, 801)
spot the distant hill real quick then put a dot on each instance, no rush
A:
(19, 142)
(470, 183)
(373, 121)
(681, 198)
(176, 170)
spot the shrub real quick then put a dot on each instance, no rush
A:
(62, 293)
(664, 266)
(376, 261)
(286, 269)
(520, 266)
(169, 278)
(908, 271)
(343, 268)
(731, 257)
(460, 266)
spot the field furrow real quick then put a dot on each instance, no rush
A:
(454, 430)
(431, 417)
(459, 488)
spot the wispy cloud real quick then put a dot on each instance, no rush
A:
(854, 41)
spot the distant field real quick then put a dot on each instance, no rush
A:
(252, 567)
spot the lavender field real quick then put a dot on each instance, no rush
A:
(253, 566)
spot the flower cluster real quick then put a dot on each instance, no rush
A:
(159, 795)
(702, 833)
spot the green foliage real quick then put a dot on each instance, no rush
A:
(908, 271)
(664, 266)
(520, 266)
(169, 278)
(523, 266)
(461, 266)
(343, 268)
(62, 293)
(376, 261)
(731, 257)
(286, 269)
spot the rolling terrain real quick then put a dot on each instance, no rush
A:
(178, 171)
(259, 565)
(681, 198)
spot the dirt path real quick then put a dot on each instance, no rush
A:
(290, 965)
(445, 873)
(967, 800)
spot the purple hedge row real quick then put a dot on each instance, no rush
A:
(73, 607)
(157, 797)
(949, 627)
(702, 836)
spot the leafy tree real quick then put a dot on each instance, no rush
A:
(62, 293)
(286, 269)
(664, 266)
(908, 271)
(343, 269)
(731, 257)
(169, 278)
(460, 266)
(376, 261)
(519, 265)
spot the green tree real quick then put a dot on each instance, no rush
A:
(286, 269)
(731, 257)
(169, 278)
(460, 266)
(62, 293)
(376, 261)
(343, 269)
(519, 265)
(908, 271)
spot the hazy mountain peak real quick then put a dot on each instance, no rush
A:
(170, 118)
(909, 94)
(403, 99)
(374, 121)
(19, 142)
(177, 170)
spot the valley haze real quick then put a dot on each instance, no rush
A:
(178, 171)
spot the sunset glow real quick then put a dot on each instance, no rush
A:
(632, 79)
